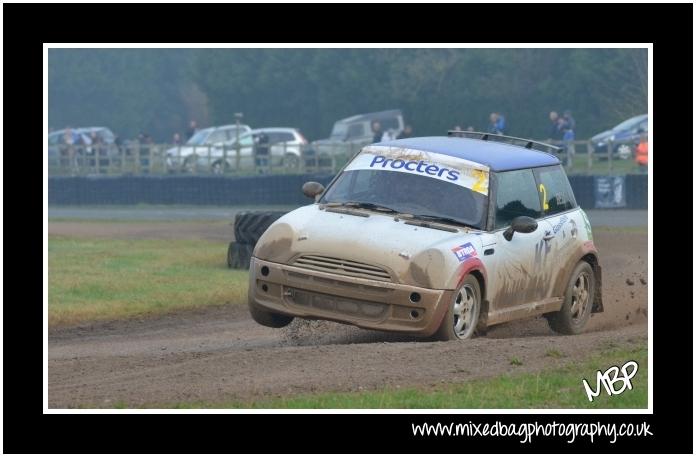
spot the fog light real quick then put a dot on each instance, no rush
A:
(415, 314)
(415, 297)
(264, 271)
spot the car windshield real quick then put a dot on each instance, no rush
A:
(340, 131)
(418, 195)
(199, 137)
(627, 124)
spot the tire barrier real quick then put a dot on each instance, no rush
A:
(248, 228)
(239, 255)
(250, 225)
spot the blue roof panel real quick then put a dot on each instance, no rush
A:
(497, 156)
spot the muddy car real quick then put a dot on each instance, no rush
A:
(434, 236)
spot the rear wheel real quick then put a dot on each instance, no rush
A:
(462, 317)
(577, 306)
(219, 167)
(291, 161)
(267, 318)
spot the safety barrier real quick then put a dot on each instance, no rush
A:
(629, 191)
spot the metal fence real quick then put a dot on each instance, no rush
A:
(579, 157)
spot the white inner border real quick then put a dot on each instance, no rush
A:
(47, 410)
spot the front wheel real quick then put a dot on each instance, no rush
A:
(577, 306)
(462, 317)
(267, 318)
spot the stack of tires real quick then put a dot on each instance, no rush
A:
(248, 228)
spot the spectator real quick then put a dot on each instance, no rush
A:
(262, 145)
(176, 139)
(497, 124)
(389, 135)
(568, 130)
(470, 128)
(642, 154)
(193, 127)
(569, 121)
(407, 132)
(457, 127)
(555, 128)
(377, 132)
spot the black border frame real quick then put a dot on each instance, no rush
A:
(26, 27)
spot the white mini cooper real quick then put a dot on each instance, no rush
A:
(433, 236)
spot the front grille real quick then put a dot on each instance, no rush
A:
(341, 305)
(342, 267)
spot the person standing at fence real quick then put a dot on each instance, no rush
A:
(407, 132)
(555, 134)
(193, 127)
(262, 144)
(497, 124)
(568, 129)
(376, 132)
(176, 139)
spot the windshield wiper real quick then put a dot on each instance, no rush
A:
(444, 219)
(365, 205)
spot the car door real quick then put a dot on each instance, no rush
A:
(514, 268)
(561, 219)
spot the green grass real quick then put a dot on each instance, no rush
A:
(102, 279)
(552, 388)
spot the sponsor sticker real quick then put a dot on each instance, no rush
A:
(446, 168)
(464, 251)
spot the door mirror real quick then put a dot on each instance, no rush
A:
(311, 189)
(522, 224)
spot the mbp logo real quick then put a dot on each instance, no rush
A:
(609, 378)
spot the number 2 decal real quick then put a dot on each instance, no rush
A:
(542, 189)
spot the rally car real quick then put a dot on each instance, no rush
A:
(433, 236)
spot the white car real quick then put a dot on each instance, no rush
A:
(201, 144)
(286, 145)
(438, 236)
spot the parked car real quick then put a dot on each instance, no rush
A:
(286, 145)
(435, 236)
(623, 137)
(352, 133)
(200, 144)
(82, 140)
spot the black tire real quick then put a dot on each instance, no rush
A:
(231, 254)
(250, 225)
(239, 255)
(220, 167)
(577, 306)
(267, 318)
(291, 161)
(468, 296)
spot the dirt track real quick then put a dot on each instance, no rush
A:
(219, 354)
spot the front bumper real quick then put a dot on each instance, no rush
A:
(365, 303)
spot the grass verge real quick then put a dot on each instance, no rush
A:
(104, 279)
(552, 388)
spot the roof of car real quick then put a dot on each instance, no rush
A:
(495, 155)
(369, 116)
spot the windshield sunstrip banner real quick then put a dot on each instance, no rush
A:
(446, 168)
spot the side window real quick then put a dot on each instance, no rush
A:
(389, 123)
(355, 130)
(284, 137)
(217, 136)
(516, 195)
(555, 190)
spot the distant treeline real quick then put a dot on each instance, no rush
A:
(160, 91)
